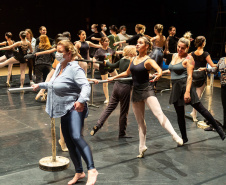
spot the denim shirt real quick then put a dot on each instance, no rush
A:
(64, 90)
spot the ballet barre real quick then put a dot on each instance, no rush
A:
(90, 61)
(100, 81)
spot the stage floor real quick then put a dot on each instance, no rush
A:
(25, 138)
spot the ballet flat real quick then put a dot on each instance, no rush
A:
(7, 84)
(63, 146)
(194, 117)
(141, 155)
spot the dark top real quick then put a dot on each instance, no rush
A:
(172, 43)
(178, 71)
(9, 53)
(46, 59)
(123, 65)
(133, 39)
(179, 83)
(84, 50)
(200, 60)
(97, 35)
(140, 74)
(38, 40)
(102, 55)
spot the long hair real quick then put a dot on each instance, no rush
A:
(44, 43)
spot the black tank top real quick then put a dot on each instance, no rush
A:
(140, 74)
(84, 50)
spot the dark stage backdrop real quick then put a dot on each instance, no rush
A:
(72, 15)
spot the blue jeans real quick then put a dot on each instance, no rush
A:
(72, 125)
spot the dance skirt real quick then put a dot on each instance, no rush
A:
(178, 90)
(142, 92)
(199, 78)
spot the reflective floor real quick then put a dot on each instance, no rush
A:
(25, 138)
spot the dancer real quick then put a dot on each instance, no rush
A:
(70, 85)
(43, 62)
(105, 53)
(113, 38)
(30, 62)
(199, 77)
(83, 47)
(183, 92)
(8, 54)
(23, 46)
(139, 29)
(143, 93)
(103, 29)
(42, 31)
(95, 38)
(121, 93)
(123, 36)
(171, 44)
(158, 42)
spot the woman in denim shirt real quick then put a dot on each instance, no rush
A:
(68, 92)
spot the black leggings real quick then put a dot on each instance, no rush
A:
(180, 110)
(223, 99)
(72, 125)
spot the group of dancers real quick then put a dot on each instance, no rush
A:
(136, 56)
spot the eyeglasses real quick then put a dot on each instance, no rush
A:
(106, 41)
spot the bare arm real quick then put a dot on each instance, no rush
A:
(3, 43)
(120, 42)
(210, 62)
(190, 66)
(94, 45)
(46, 52)
(11, 46)
(149, 64)
(94, 38)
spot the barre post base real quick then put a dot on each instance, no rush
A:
(54, 163)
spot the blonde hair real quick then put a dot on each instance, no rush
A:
(141, 28)
(186, 39)
(69, 47)
(44, 42)
(159, 28)
(128, 50)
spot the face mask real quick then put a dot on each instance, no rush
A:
(59, 57)
(123, 32)
(105, 29)
(92, 30)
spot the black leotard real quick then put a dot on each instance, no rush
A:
(22, 52)
(84, 50)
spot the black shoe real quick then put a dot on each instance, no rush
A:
(221, 133)
(93, 132)
(210, 128)
(185, 140)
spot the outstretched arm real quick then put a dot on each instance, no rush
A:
(94, 45)
(123, 74)
(46, 52)
(11, 46)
